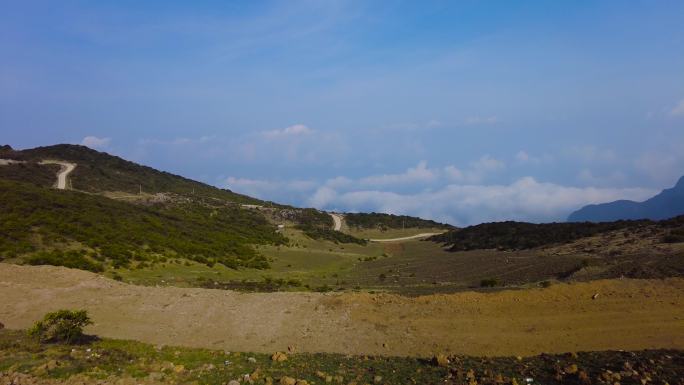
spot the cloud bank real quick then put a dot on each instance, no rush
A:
(442, 194)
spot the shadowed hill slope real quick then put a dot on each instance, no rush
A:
(669, 203)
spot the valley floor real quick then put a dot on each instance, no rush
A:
(625, 314)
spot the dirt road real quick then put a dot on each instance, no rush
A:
(337, 220)
(67, 168)
(417, 236)
(628, 314)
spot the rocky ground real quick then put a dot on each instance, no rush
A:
(25, 362)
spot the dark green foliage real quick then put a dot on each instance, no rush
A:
(675, 235)
(121, 232)
(330, 235)
(313, 218)
(62, 326)
(318, 225)
(490, 282)
(31, 172)
(73, 259)
(389, 221)
(521, 235)
(98, 171)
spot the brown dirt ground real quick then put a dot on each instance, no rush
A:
(628, 314)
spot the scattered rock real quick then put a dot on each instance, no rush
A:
(301, 382)
(377, 379)
(291, 349)
(328, 379)
(285, 380)
(252, 360)
(179, 369)
(279, 357)
(233, 382)
(571, 369)
(440, 360)
(155, 376)
(595, 296)
(320, 374)
(255, 374)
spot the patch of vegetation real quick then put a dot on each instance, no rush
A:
(331, 235)
(489, 282)
(390, 221)
(129, 359)
(675, 235)
(30, 172)
(520, 235)
(74, 259)
(120, 232)
(62, 326)
(266, 285)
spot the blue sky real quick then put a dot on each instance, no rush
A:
(462, 111)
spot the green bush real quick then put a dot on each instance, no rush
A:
(73, 259)
(489, 282)
(63, 326)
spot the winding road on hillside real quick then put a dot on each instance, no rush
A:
(64, 172)
(417, 236)
(337, 220)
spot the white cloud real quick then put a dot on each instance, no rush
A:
(526, 199)
(95, 143)
(270, 190)
(419, 174)
(297, 129)
(678, 110)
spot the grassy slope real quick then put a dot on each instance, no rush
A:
(97, 172)
(115, 231)
(115, 359)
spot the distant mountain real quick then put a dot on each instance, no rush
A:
(669, 203)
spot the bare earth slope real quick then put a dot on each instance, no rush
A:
(628, 314)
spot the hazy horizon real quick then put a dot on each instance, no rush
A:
(461, 112)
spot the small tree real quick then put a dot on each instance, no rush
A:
(61, 326)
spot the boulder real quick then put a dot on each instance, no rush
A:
(571, 369)
(279, 357)
(377, 379)
(285, 380)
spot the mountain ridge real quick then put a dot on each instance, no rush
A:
(668, 203)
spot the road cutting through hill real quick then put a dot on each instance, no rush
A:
(626, 314)
(63, 173)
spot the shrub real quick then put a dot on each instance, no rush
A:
(61, 326)
(490, 282)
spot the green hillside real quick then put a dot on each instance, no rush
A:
(389, 221)
(105, 231)
(98, 171)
